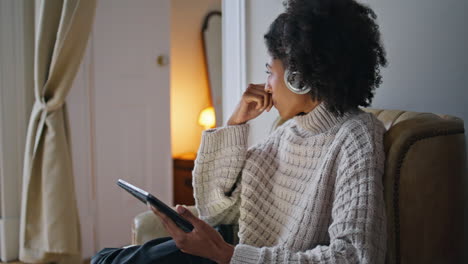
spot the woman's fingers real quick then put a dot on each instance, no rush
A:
(185, 213)
(251, 97)
(263, 99)
(260, 90)
(169, 225)
(256, 93)
(254, 101)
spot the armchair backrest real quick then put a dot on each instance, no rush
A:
(424, 186)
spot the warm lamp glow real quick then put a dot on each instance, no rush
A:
(207, 118)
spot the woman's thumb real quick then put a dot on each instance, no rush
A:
(183, 211)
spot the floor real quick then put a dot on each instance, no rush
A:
(86, 261)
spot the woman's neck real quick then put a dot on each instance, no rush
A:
(308, 107)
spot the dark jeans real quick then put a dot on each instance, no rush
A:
(160, 250)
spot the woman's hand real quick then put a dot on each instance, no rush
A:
(203, 241)
(254, 101)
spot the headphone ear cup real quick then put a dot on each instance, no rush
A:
(293, 82)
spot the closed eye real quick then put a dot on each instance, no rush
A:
(268, 68)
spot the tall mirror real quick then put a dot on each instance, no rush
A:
(211, 36)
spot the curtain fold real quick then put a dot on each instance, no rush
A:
(49, 228)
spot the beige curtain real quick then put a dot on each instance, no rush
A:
(49, 229)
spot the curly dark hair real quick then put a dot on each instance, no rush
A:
(335, 45)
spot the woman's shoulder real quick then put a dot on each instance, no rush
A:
(360, 142)
(362, 130)
(362, 123)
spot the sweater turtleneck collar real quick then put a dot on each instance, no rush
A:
(320, 119)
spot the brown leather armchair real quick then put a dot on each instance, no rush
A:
(424, 184)
(425, 173)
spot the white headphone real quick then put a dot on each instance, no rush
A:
(293, 82)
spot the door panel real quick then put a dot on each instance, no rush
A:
(131, 117)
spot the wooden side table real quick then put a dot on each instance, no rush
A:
(183, 190)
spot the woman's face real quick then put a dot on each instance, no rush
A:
(286, 102)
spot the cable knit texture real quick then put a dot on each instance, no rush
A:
(311, 192)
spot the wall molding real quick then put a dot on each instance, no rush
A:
(234, 54)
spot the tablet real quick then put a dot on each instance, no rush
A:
(146, 197)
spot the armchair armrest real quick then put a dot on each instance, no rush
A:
(147, 226)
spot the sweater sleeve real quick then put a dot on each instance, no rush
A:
(358, 228)
(216, 174)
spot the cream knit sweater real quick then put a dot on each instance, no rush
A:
(310, 193)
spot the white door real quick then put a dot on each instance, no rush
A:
(131, 111)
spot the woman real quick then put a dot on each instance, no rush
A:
(312, 191)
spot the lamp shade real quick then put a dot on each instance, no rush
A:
(207, 118)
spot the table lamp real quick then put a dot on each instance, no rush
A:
(207, 118)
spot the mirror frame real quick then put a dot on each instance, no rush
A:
(213, 102)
